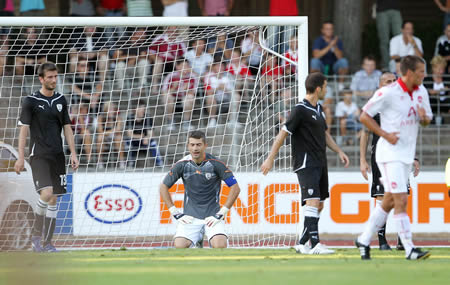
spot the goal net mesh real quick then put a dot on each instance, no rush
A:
(134, 94)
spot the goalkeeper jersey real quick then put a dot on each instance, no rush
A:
(202, 184)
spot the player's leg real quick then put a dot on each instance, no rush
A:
(49, 224)
(377, 192)
(219, 241)
(216, 235)
(187, 235)
(181, 242)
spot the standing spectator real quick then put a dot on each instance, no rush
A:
(348, 113)
(139, 8)
(175, 8)
(365, 81)
(7, 8)
(133, 59)
(252, 51)
(215, 7)
(164, 50)
(328, 54)
(220, 47)
(32, 8)
(28, 51)
(219, 92)
(140, 136)
(82, 8)
(404, 44)
(292, 54)
(81, 126)
(446, 9)
(389, 24)
(438, 90)
(179, 86)
(198, 58)
(109, 135)
(443, 47)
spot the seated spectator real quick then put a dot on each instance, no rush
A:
(292, 54)
(219, 93)
(404, 44)
(271, 74)
(179, 86)
(443, 48)
(131, 59)
(243, 78)
(252, 51)
(348, 114)
(215, 7)
(29, 51)
(164, 50)
(140, 136)
(109, 135)
(89, 44)
(82, 129)
(328, 54)
(4, 48)
(82, 83)
(365, 81)
(438, 89)
(175, 8)
(198, 58)
(220, 47)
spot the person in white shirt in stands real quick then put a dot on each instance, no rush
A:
(365, 81)
(219, 86)
(199, 59)
(402, 105)
(175, 8)
(404, 44)
(252, 51)
(348, 113)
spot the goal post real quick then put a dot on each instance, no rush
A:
(136, 87)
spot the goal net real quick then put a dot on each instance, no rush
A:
(136, 87)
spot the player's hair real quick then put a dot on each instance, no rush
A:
(410, 62)
(46, 66)
(197, 135)
(314, 80)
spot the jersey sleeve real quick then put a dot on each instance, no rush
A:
(294, 120)
(65, 113)
(174, 174)
(426, 105)
(26, 113)
(376, 103)
(224, 173)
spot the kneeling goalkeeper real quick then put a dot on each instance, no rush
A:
(202, 176)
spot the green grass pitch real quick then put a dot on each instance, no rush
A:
(229, 266)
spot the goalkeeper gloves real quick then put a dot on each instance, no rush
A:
(180, 217)
(211, 221)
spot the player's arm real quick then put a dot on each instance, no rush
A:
(334, 147)
(363, 165)
(268, 163)
(68, 134)
(372, 125)
(20, 163)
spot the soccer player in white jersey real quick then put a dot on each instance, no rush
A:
(402, 105)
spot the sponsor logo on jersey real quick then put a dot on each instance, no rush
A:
(59, 107)
(113, 204)
(412, 112)
(42, 107)
(314, 117)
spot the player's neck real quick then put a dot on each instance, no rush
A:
(409, 84)
(312, 99)
(46, 92)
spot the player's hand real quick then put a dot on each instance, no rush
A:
(267, 166)
(364, 168)
(344, 158)
(19, 165)
(211, 221)
(180, 217)
(422, 114)
(74, 161)
(416, 166)
(392, 138)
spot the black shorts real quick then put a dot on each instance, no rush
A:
(377, 188)
(314, 183)
(49, 172)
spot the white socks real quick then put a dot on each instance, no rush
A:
(51, 211)
(311, 212)
(404, 231)
(41, 208)
(376, 221)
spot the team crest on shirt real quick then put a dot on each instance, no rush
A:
(394, 185)
(208, 175)
(419, 99)
(310, 191)
(59, 107)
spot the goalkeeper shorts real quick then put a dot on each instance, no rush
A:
(195, 231)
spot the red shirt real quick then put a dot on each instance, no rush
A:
(242, 69)
(164, 48)
(272, 70)
(283, 8)
(292, 55)
(112, 4)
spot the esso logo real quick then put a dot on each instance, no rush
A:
(113, 204)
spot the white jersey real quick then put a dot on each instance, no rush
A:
(398, 112)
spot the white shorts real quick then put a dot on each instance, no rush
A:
(395, 176)
(194, 231)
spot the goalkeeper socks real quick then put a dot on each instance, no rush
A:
(376, 221)
(50, 222)
(404, 231)
(41, 209)
(311, 226)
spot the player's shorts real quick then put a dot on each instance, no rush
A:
(194, 231)
(49, 172)
(314, 183)
(395, 176)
